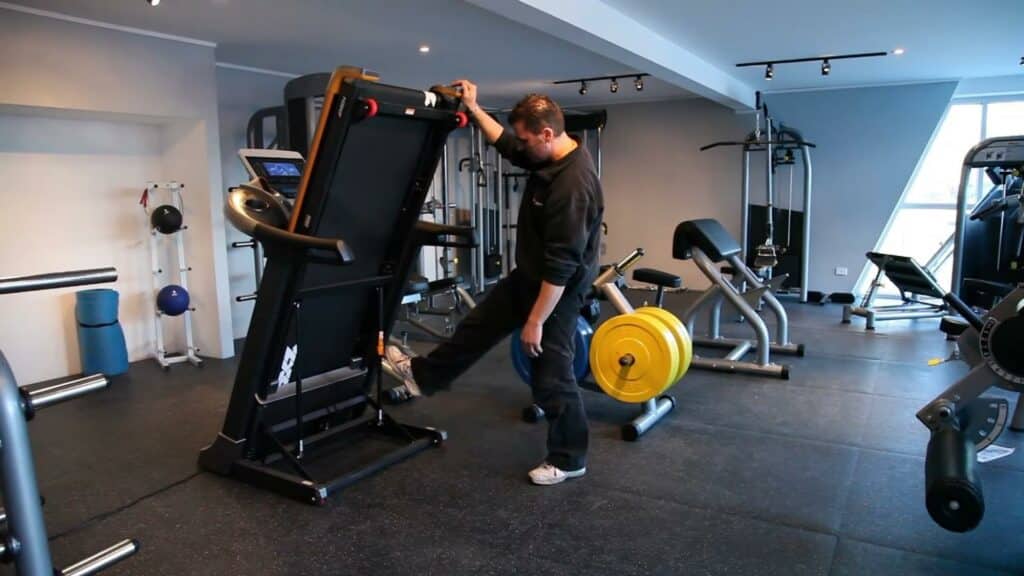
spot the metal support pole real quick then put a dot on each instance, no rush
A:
(958, 234)
(745, 209)
(500, 210)
(805, 255)
(21, 493)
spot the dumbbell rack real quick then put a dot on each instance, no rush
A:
(23, 537)
(161, 355)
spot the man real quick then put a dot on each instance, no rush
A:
(557, 243)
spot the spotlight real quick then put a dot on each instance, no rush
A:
(583, 88)
(769, 72)
(639, 82)
(424, 49)
(898, 51)
(614, 86)
(826, 67)
(153, 2)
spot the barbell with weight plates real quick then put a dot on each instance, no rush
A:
(635, 357)
(679, 332)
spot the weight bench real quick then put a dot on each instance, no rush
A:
(419, 290)
(912, 280)
(660, 279)
(707, 243)
(303, 396)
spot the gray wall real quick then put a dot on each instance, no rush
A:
(654, 177)
(239, 94)
(870, 141)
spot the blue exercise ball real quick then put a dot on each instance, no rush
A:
(581, 360)
(172, 300)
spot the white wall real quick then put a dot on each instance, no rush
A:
(239, 94)
(654, 177)
(56, 69)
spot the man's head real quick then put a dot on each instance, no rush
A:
(539, 126)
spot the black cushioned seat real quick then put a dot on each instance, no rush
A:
(657, 277)
(706, 235)
(444, 284)
(953, 326)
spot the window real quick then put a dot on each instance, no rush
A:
(923, 223)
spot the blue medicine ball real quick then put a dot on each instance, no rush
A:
(172, 300)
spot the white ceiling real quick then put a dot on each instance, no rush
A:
(506, 58)
(943, 38)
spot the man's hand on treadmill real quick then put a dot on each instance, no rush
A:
(468, 94)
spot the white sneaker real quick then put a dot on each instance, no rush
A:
(548, 475)
(401, 365)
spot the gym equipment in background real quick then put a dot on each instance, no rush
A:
(634, 357)
(918, 295)
(962, 421)
(707, 243)
(325, 306)
(172, 298)
(101, 344)
(988, 242)
(759, 244)
(23, 537)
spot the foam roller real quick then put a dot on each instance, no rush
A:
(952, 487)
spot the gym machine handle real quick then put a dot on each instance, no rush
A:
(431, 234)
(618, 269)
(57, 393)
(102, 560)
(14, 285)
(628, 262)
(272, 235)
(964, 310)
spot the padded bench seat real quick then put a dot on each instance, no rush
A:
(657, 277)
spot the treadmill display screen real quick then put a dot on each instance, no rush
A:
(275, 169)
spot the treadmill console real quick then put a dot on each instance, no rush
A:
(282, 169)
(998, 152)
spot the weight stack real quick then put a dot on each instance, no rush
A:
(101, 345)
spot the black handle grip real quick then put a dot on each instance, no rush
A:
(274, 235)
(952, 488)
(431, 234)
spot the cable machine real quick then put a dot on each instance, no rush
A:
(782, 146)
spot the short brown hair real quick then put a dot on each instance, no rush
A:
(537, 112)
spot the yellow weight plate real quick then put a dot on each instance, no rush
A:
(634, 357)
(682, 336)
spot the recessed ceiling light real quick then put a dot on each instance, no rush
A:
(424, 49)
(898, 51)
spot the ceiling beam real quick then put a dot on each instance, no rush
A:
(601, 29)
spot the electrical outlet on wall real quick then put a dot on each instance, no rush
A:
(842, 271)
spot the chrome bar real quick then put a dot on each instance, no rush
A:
(57, 393)
(102, 560)
(16, 284)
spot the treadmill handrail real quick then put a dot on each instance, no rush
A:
(273, 235)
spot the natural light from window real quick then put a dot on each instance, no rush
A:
(924, 221)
